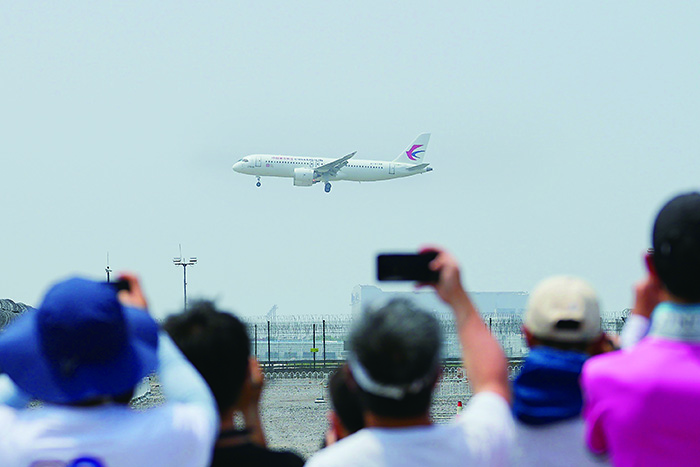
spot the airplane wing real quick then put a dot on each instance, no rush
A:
(332, 168)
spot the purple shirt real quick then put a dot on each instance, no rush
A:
(642, 405)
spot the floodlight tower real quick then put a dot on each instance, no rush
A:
(184, 262)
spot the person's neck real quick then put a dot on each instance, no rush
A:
(667, 296)
(379, 421)
(679, 301)
(677, 321)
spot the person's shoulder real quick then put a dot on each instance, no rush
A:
(8, 416)
(356, 449)
(558, 443)
(487, 404)
(6, 411)
(563, 428)
(183, 423)
(487, 412)
(178, 412)
(487, 427)
(609, 363)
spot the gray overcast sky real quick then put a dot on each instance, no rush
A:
(558, 130)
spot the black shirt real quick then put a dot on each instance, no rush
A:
(233, 448)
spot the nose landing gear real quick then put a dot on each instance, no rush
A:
(258, 182)
(327, 188)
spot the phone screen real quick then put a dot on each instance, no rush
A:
(406, 267)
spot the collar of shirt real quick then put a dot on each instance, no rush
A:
(674, 321)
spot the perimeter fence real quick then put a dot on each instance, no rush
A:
(307, 349)
(306, 340)
(9, 311)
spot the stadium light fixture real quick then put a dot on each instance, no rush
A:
(184, 262)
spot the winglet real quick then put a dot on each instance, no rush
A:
(415, 152)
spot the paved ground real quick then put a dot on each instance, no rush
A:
(293, 420)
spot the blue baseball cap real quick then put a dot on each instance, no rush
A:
(80, 344)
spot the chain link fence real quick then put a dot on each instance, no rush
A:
(9, 311)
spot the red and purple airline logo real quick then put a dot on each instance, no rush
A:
(413, 152)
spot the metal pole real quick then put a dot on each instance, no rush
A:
(268, 342)
(256, 341)
(184, 280)
(314, 346)
(324, 343)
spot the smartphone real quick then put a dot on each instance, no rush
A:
(406, 267)
(121, 284)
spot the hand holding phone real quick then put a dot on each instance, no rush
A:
(121, 284)
(129, 291)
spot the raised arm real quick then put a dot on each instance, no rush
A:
(180, 381)
(648, 293)
(249, 402)
(482, 355)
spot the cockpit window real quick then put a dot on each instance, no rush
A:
(244, 160)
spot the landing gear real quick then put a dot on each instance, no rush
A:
(258, 182)
(327, 187)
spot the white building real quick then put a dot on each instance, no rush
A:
(486, 302)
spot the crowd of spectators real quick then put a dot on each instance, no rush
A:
(578, 400)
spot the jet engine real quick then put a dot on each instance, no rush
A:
(303, 177)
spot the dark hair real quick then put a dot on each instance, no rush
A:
(217, 344)
(398, 344)
(676, 241)
(345, 400)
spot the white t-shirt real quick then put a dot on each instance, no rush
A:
(106, 436)
(481, 435)
(555, 444)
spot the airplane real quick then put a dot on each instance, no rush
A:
(309, 170)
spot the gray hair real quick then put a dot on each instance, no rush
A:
(397, 344)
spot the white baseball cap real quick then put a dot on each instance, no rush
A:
(563, 309)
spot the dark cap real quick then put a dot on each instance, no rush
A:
(676, 241)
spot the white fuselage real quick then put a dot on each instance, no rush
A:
(266, 165)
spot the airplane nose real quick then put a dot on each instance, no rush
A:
(237, 166)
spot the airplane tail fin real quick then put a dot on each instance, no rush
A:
(415, 152)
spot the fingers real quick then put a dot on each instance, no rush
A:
(449, 282)
(648, 294)
(257, 378)
(433, 266)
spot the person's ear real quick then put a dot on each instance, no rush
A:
(336, 426)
